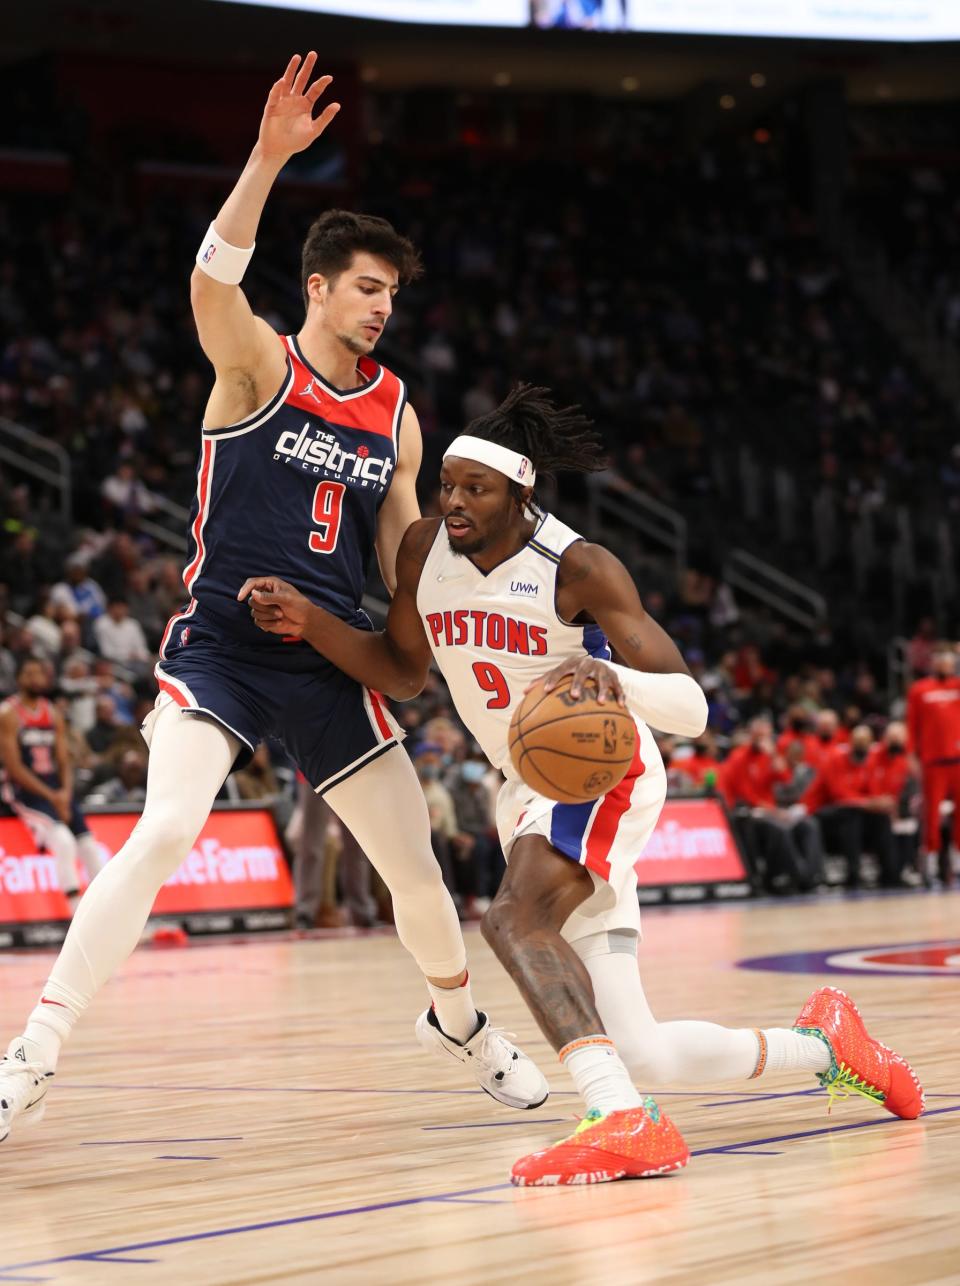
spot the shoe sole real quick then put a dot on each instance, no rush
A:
(894, 1056)
(596, 1176)
(520, 1107)
(31, 1115)
(430, 1042)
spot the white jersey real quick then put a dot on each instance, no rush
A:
(493, 633)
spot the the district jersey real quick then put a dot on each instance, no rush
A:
(37, 739)
(492, 634)
(294, 491)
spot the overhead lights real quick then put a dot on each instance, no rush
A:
(728, 102)
(502, 78)
(630, 84)
(758, 80)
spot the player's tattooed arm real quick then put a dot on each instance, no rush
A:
(594, 583)
(394, 660)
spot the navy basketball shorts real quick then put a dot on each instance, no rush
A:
(330, 725)
(39, 813)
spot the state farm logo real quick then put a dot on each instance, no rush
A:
(315, 451)
(214, 863)
(671, 840)
(34, 873)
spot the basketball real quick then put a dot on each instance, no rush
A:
(571, 750)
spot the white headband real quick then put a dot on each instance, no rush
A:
(516, 466)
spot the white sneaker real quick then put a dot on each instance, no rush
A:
(23, 1084)
(499, 1068)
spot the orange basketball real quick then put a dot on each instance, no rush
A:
(570, 750)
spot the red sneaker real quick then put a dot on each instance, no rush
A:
(858, 1063)
(632, 1144)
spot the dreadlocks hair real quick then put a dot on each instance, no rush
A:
(552, 437)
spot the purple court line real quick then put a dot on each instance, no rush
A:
(8, 1271)
(113, 1253)
(183, 1158)
(116, 1143)
(810, 1134)
(499, 1125)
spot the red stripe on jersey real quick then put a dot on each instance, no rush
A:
(177, 616)
(607, 818)
(203, 497)
(369, 410)
(42, 718)
(376, 704)
(170, 690)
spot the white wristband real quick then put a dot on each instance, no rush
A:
(222, 261)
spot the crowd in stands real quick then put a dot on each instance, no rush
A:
(685, 302)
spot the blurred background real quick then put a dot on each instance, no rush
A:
(733, 239)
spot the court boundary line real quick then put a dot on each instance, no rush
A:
(11, 1272)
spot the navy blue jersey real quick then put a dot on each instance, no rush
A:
(292, 491)
(37, 739)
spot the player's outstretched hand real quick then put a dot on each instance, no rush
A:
(588, 670)
(275, 606)
(288, 125)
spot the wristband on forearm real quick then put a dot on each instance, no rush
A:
(222, 261)
(669, 702)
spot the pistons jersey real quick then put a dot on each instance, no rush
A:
(292, 491)
(37, 740)
(494, 633)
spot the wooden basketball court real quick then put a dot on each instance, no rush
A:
(260, 1112)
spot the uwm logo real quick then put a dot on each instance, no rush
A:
(473, 628)
(524, 589)
(316, 451)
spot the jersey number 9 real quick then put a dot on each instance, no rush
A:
(327, 504)
(490, 679)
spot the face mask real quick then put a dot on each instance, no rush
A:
(895, 748)
(825, 736)
(473, 771)
(858, 755)
(799, 725)
(429, 772)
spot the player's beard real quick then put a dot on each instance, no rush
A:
(359, 347)
(468, 547)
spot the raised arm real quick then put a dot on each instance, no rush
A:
(655, 682)
(394, 660)
(401, 507)
(244, 350)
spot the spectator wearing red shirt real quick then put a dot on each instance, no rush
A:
(854, 813)
(933, 725)
(767, 833)
(894, 772)
(799, 728)
(698, 766)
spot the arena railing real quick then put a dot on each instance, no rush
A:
(773, 587)
(652, 518)
(23, 456)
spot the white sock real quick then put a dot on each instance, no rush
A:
(598, 1072)
(52, 1021)
(456, 1013)
(788, 1051)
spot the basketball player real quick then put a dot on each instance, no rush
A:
(38, 774)
(933, 721)
(502, 594)
(309, 458)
